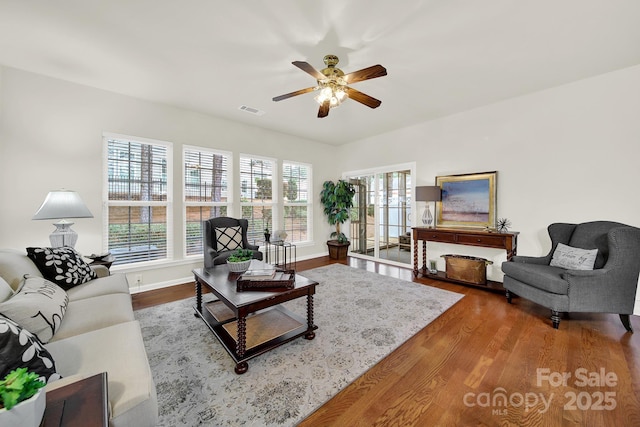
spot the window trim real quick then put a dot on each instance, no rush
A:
(275, 188)
(168, 204)
(309, 203)
(185, 204)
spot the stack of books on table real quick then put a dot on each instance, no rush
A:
(266, 279)
(266, 274)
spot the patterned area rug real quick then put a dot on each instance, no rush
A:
(361, 318)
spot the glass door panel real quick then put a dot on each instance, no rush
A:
(381, 217)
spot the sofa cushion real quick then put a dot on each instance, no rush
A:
(38, 307)
(6, 291)
(118, 350)
(20, 348)
(63, 266)
(229, 238)
(116, 283)
(90, 314)
(545, 277)
(573, 258)
(14, 265)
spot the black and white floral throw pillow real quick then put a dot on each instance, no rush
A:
(20, 348)
(63, 266)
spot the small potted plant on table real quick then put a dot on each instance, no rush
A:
(22, 399)
(240, 260)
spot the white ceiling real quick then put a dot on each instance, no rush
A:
(442, 56)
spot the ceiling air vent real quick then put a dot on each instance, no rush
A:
(251, 110)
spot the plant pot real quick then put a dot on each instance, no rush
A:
(239, 267)
(27, 413)
(267, 236)
(338, 250)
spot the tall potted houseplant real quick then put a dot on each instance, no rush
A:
(337, 199)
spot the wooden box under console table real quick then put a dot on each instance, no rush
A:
(461, 236)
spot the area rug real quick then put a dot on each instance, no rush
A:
(361, 318)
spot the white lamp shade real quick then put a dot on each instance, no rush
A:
(62, 204)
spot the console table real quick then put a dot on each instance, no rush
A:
(461, 236)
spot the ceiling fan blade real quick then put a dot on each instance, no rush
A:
(308, 68)
(363, 98)
(324, 109)
(296, 93)
(366, 74)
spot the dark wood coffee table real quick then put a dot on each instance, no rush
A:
(250, 323)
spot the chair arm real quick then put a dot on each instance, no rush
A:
(604, 290)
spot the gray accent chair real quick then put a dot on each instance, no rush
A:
(609, 288)
(214, 257)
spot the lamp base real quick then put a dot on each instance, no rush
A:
(427, 218)
(63, 235)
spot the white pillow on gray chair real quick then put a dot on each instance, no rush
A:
(573, 258)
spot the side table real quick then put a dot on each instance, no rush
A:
(106, 261)
(79, 404)
(288, 261)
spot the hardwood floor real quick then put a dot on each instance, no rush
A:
(460, 369)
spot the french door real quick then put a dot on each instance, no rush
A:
(381, 220)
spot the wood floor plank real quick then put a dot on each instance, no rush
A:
(482, 345)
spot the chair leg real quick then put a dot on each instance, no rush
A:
(555, 318)
(508, 295)
(626, 322)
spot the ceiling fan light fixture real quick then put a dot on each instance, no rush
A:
(332, 88)
(332, 92)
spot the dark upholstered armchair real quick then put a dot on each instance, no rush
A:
(610, 287)
(222, 236)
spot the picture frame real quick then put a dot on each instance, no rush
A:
(468, 200)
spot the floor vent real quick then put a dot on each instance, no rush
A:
(251, 110)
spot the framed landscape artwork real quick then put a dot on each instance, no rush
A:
(468, 200)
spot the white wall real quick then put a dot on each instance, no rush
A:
(564, 154)
(568, 154)
(51, 138)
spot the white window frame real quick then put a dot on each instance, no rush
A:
(275, 193)
(230, 190)
(308, 204)
(168, 204)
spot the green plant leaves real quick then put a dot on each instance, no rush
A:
(17, 386)
(337, 199)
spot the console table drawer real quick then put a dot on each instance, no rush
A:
(485, 241)
(435, 236)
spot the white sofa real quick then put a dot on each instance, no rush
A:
(98, 333)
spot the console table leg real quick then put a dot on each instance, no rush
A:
(415, 258)
(310, 334)
(424, 257)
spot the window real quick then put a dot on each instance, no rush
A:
(296, 187)
(257, 195)
(207, 190)
(138, 199)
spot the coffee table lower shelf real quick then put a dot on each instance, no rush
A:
(265, 329)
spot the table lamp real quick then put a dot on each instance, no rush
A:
(62, 204)
(428, 193)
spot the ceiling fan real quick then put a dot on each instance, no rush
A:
(333, 84)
